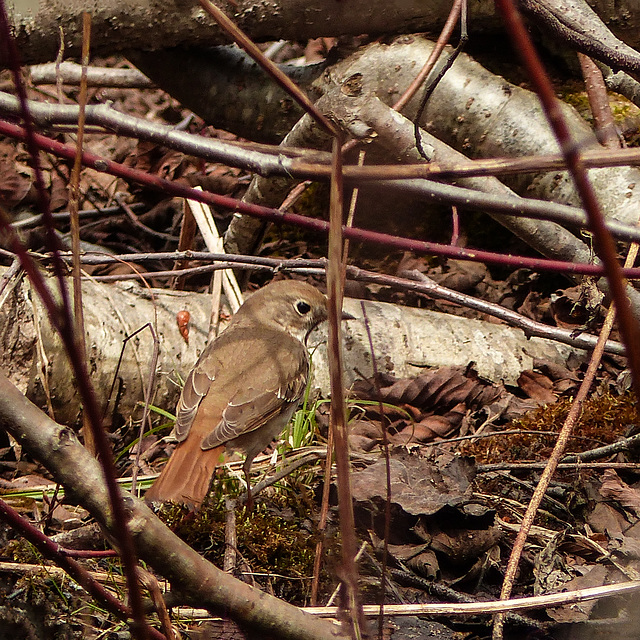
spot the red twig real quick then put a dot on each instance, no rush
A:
(599, 102)
(282, 217)
(50, 549)
(604, 244)
(629, 325)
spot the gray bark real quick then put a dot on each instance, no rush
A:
(406, 340)
(119, 25)
(33, 356)
(473, 110)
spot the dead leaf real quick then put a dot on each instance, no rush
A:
(568, 308)
(420, 486)
(605, 519)
(424, 431)
(579, 611)
(14, 186)
(537, 386)
(59, 193)
(461, 546)
(442, 389)
(461, 275)
(28, 481)
(614, 488)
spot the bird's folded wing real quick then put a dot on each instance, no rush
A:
(250, 409)
(195, 388)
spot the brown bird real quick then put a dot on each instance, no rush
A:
(243, 390)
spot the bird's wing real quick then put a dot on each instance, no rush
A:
(195, 388)
(251, 409)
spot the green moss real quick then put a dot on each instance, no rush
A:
(626, 115)
(621, 110)
(24, 552)
(579, 101)
(39, 604)
(273, 545)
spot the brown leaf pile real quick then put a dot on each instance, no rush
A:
(430, 406)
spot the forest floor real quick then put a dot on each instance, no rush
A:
(464, 454)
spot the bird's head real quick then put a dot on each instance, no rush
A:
(296, 307)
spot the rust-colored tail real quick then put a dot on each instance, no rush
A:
(187, 475)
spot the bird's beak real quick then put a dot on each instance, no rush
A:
(347, 316)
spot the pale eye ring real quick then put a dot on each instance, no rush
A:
(302, 307)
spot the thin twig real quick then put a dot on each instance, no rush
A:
(64, 216)
(307, 457)
(153, 586)
(387, 461)
(9, 51)
(9, 277)
(472, 608)
(230, 536)
(422, 285)
(148, 395)
(447, 594)
(351, 215)
(120, 198)
(323, 519)
(74, 198)
(564, 466)
(628, 324)
(441, 42)
(269, 67)
(338, 410)
(279, 217)
(298, 162)
(433, 83)
(71, 73)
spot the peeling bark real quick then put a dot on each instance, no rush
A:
(32, 354)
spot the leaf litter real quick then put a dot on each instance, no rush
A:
(452, 521)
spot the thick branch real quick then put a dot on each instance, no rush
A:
(150, 24)
(111, 311)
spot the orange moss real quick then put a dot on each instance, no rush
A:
(604, 419)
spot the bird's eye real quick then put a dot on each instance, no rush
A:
(302, 307)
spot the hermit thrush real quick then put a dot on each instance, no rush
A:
(244, 388)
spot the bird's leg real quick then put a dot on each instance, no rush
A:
(246, 467)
